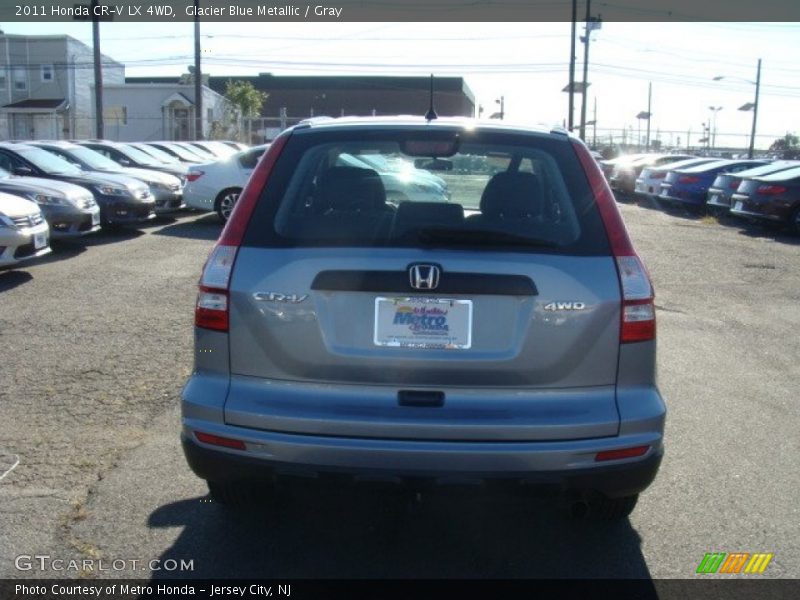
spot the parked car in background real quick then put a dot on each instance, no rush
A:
(166, 188)
(774, 198)
(689, 186)
(184, 155)
(24, 233)
(130, 156)
(159, 155)
(508, 334)
(123, 200)
(401, 182)
(607, 166)
(70, 210)
(236, 145)
(216, 185)
(650, 179)
(623, 176)
(218, 149)
(720, 192)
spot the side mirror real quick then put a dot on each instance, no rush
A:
(23, 171)
(124, 162)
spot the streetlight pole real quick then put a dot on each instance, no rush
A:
(713, 135)
(755, 112)
(750, 105)
(649, 112)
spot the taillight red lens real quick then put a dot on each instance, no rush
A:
(688, 179)
(734, 184)
(218, 440)
(771, 190)
(211, 309)
(624, 453)
(194, 175)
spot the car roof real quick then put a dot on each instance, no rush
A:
(410, 121)
(679, 164)
(782, 175)
(719, 164)
(767, 169)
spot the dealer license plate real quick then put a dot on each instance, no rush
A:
(436, 323)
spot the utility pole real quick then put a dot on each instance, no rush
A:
(198, 78)
(649, 114)
(572, 67)
(755, 112)
(585, 69)
(98, 73)
(594, 124)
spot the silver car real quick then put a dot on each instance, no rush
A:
(24, 233)
(506, 333)
(69, 209)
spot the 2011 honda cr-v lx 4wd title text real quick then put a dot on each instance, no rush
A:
(506, 331)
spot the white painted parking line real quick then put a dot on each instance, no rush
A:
(6, 459)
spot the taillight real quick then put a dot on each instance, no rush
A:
(659, 175)
(638, 301)
(218, 440)
(733, 185)
(213, 299)
(688, 179)
(619, 454)
(638, 323)
(194, 175)
(771, 190)
(211, 308)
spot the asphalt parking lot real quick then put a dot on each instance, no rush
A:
(95, 344)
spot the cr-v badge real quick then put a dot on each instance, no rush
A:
(276, 297)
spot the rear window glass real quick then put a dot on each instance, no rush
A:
(359, 188)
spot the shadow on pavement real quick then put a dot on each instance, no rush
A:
(104, 236)
(207, 227)
(11, 279)
(320, 531)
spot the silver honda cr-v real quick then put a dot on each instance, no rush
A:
(506, 331)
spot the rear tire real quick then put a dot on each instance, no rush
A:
(615, 509)
(225, 201)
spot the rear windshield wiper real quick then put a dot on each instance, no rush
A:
(484, 237)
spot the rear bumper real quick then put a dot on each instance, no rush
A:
(614, 479)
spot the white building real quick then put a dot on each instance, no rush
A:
(159, 111)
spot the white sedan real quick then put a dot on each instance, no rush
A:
(216, 185)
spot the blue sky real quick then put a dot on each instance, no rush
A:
(524, 62)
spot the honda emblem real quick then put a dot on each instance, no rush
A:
(424, 277)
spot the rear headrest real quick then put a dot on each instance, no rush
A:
(350, 189)
(512, 195)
